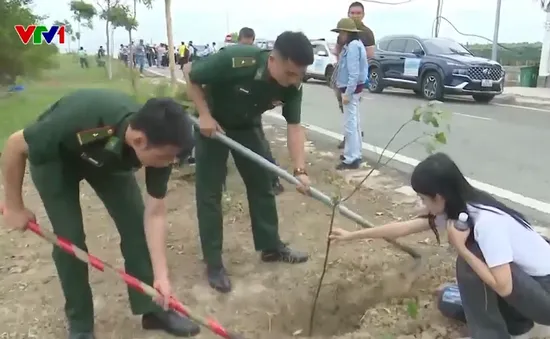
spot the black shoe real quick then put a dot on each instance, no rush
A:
(284, 254)
(81, 335)
(170, 322)
(342, 144)
(278, 187)
(354, 165)
(218, 278)
(342, 157)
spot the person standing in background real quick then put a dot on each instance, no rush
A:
(140, 56)
(181, 54)
(356, 11)
(83, 57)
(160, 54)
(192, 51)
(350, 80)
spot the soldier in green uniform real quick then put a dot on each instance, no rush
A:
(231, 89)
(103, 136)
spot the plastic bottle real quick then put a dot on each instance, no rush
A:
(462, 223)
(450, 304)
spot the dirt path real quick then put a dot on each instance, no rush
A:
(269, 300)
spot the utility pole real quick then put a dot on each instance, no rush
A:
(438, 17)
(494, 54)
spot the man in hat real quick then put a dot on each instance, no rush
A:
(356, 11)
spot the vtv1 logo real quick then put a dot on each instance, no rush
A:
(40, 34)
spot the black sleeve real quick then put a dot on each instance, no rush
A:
(367, 37)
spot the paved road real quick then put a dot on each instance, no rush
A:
(499, 145)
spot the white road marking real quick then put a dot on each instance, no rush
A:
(523, 107)
(472, 116)
(538, 205)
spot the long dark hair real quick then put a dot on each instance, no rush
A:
(438, 174)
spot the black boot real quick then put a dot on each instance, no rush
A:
(351, 166)
(218, 278)
(81, 335)
(284, 254)
(170, 322)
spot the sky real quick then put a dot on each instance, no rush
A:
(205, 21)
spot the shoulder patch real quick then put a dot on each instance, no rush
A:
(239, 62)
(94, 134)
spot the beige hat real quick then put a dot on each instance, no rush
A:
(346, 25)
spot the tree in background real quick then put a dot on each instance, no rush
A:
(170, 36)
(149, 5)
(83, 14)
(16, 58)
(121, 17)
(234, 37)
(106, 6)
(69, 32)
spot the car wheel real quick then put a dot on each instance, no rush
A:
(483, 98)
(328, 74)
(432, 86)
(375, 80)
(305, 79)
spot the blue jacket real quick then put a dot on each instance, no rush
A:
(353, 67)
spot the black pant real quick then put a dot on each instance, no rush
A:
(490, 316)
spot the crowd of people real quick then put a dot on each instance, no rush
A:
(101, 136)
(144, 54)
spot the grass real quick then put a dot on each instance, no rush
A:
(21, 108)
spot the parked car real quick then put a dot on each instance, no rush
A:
(432, 68)
(324, 63)
(264, 44)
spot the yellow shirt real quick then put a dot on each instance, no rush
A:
(181, 50)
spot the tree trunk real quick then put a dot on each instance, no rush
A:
(171, 57)
(130, 66)
(78, 49)
(107, 35)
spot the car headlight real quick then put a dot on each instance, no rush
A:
(460, 71)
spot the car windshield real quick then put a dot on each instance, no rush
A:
(445, 46)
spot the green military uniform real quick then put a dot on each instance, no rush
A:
(238, 89)
(82, 137)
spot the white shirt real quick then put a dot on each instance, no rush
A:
(503, 240)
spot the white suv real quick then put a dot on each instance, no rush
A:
(324, 62)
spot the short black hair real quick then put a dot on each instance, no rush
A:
(247, 33)
(165, 123)
(294, 46)
(356, 4)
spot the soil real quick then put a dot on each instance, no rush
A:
(365, 294)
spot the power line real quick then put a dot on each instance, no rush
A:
(474, 35)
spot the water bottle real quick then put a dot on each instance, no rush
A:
(462, 223)
(450, 304)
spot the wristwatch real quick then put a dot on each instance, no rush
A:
(299, 171)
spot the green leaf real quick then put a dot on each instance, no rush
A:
(427, 117)
(417, 114)
(430, 147)
(441, 138)
(434, 121)
(412, 309)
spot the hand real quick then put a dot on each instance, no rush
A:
(457, 238)
(345, 99)
(165, 289)
(17, 219)
(208, 125)
(339, 234)
(305, 183)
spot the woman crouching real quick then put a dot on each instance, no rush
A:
(503, 265)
